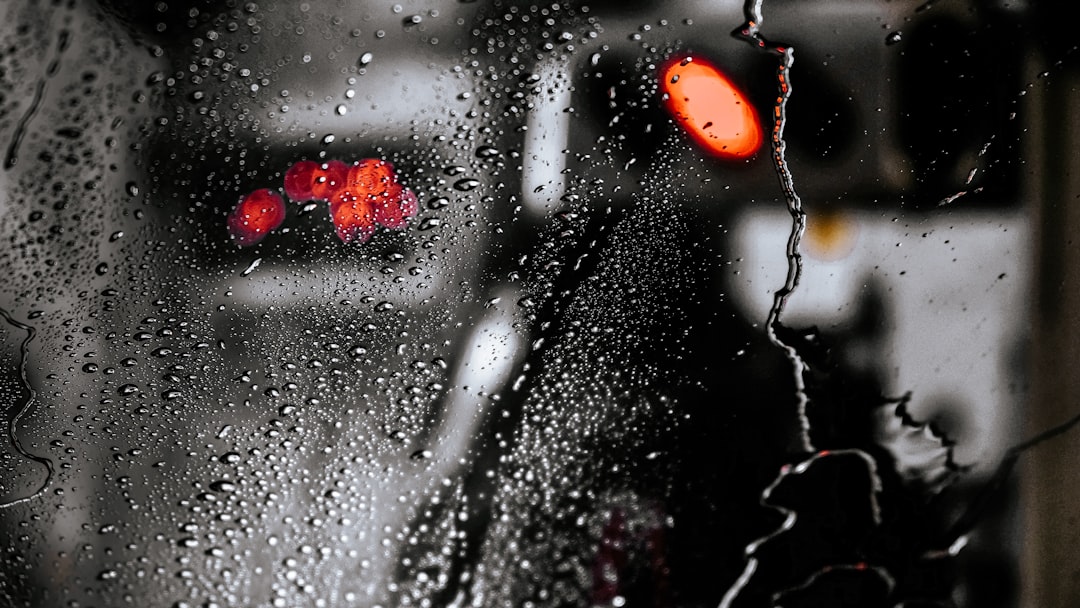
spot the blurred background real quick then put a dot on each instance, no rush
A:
(559, 385)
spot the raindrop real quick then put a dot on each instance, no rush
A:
(223, 485)
(430, 223)
(467, 183)
(229, 458)
(251, 267)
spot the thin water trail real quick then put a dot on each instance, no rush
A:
(790, 517)
(15, 411)
(11, 158)
(750, 32)
(993, 489)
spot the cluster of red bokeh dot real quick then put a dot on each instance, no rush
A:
(362, 196)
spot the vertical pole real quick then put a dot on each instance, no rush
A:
(1050, 483)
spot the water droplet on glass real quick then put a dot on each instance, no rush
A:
(223, 486)
(430, 223)
(251, 267)
(229, 458)
(466, 184)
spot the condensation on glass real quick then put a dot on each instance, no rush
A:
(468, 303)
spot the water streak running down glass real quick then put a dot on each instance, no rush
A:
(488, 303)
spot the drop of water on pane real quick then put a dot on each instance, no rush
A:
(430, 223)
(893, 38)
(366, 58)
(251, 267)
(466, 184)
(223, 486)
(230, 458)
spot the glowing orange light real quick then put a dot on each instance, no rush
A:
(708, 106)
(354, 219)
(300, 178)
(255, 216)
(830, 235)
(361, 197)
(328, 179)
(370, 195)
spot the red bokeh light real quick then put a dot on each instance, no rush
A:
(710, 108)
(255, 216)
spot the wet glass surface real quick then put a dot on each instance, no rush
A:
(504, 303)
